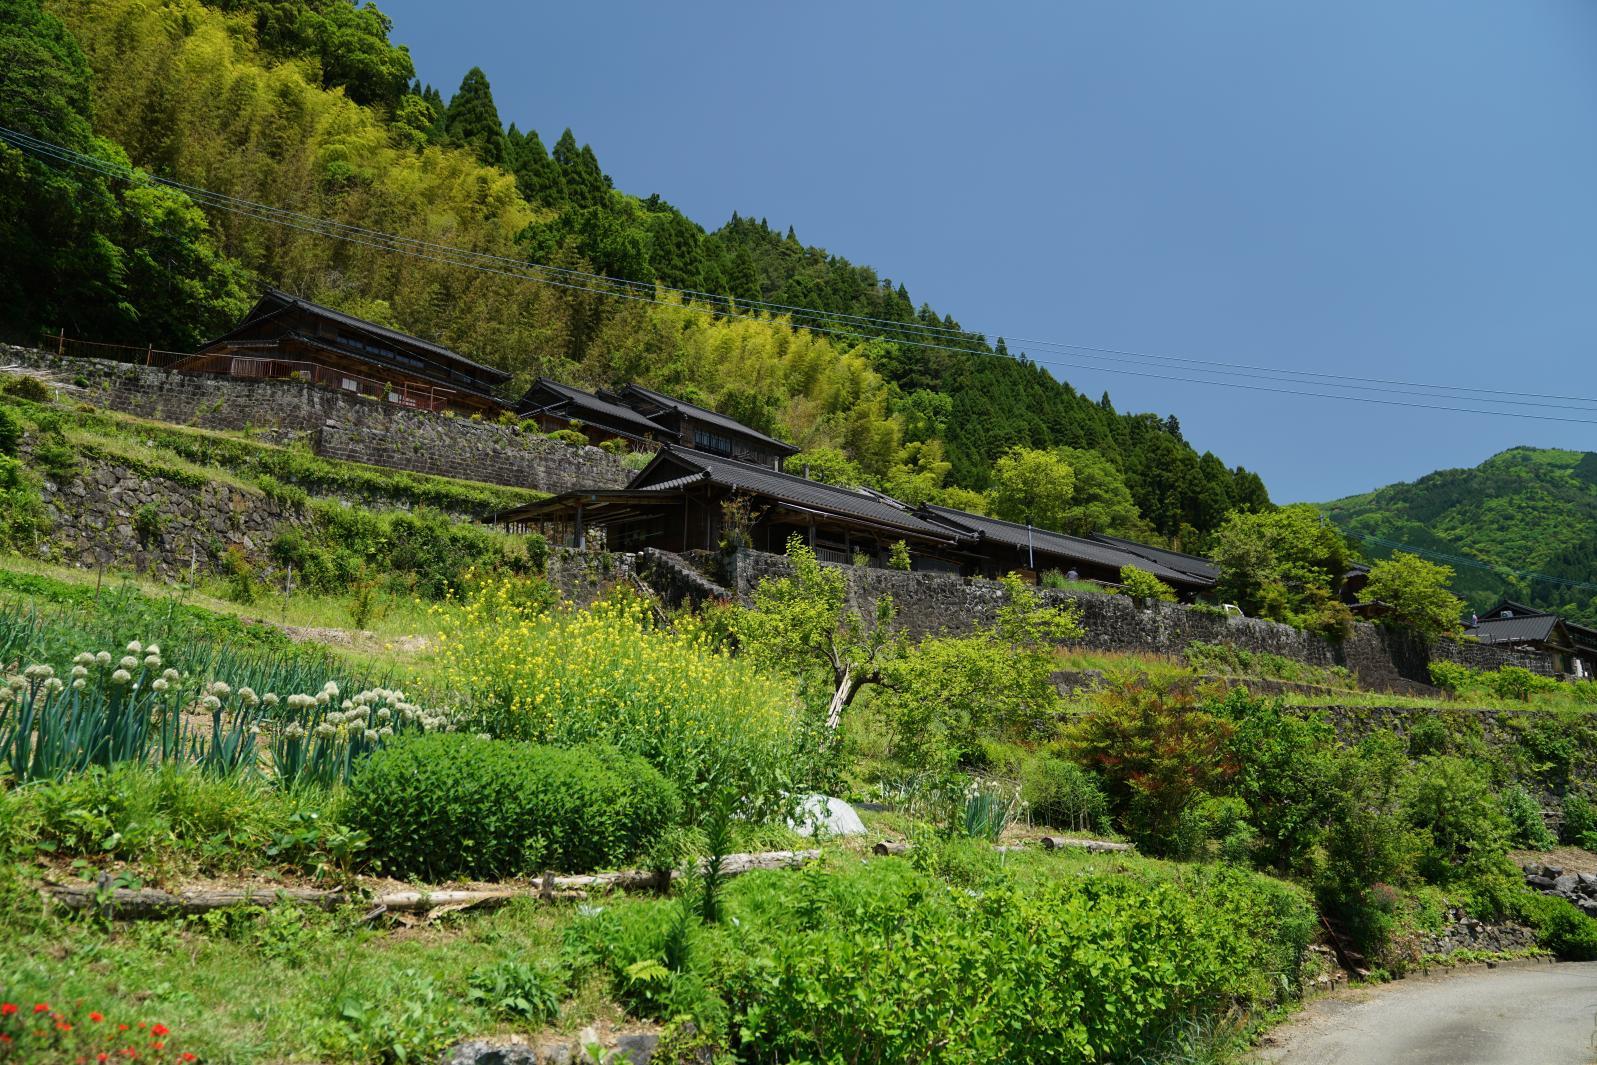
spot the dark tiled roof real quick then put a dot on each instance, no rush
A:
(1527, 627)
(679, 466)
(576, 399)
(1051, 543)
(703, 414)
(287, 300)
(1179, 561)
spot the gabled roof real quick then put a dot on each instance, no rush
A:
(1521, 628)
(638, 393)
(1046, 542)
(605, 412)
(675, 468)
(275, 301)
(1194, 565)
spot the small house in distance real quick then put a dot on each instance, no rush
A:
(705, 430)
(599, 417)
(1571, 648)
(284, 337)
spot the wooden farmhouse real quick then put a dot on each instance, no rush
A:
(1571, 648)
(599, 417)
(696, 427)
(688, 500)
(284, 337)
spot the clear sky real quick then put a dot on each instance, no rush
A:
(1395, 190)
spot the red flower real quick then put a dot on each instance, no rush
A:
(41, 1007)
(96, 1016)
(157, 1044)
(188, 1057)
(5, 1039)
(103, 1056)
(121, 1027)
(7, 1009)
(159, 1029)
(62, 1026)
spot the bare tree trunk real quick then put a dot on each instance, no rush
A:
(840, 699)
(153, 902)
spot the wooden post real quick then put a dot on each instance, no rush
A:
(288, 583)
(149, 355)
(581, 534)
(61, 342)
(98, 578)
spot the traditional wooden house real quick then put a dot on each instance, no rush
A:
(284, 337)
(600, 417)
(1001, 547)
(1571, 648)
(690, 500)
(706, 430)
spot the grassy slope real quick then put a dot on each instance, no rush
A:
(1524, 509)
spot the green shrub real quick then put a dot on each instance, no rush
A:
(447, 805)
(885, 964)
(29, 388)
(1452, 677)
(57, 458)
(1560, 927)
(1063, 795)
(1140, 584)
(615, 446)
(1526, 826)
(1516, 682)
(147, 521)
(569, 437)
(516, 990)
(898, 556)
(1462, 825)
(240, 575)
(1580, 817)
(10, 431)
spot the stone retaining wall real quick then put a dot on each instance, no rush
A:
(339, 425)
(940, 602)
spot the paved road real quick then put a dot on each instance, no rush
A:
(1540, 1015)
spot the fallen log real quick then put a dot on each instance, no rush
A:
(887, 846)
(135, 903)
(1095, 846)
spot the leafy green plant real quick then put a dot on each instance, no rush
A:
(31, 389)
(517, 990)
(148, 521)
(240, 575)
(1140, 584)
(445, 805)
(1061, 794)
(898, 556)
(56, 458)
(569, 437)
(1580, 818)
(11, 430)
(1527, 828)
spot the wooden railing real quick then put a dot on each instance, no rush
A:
(253, 368)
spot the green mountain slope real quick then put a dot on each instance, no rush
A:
(1525, 510)
(308, 104)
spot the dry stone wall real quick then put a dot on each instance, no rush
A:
(930, 603)
(339, 426)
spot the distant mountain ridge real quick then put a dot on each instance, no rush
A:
(1525, 510)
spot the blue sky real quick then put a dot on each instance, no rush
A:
(1392, 190)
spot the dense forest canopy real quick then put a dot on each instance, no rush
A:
(307, 104)
(1525, 510)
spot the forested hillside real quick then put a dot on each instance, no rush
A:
(306, 104)
(1527, 509)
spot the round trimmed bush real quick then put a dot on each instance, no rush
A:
(445, 805)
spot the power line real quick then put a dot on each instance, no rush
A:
(595, 284)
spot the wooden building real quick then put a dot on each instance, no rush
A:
(598, 416)
(1570, 647)
(687, 500)
(1001, 547)
(696, 427)
(690, 500)
(284, 337)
